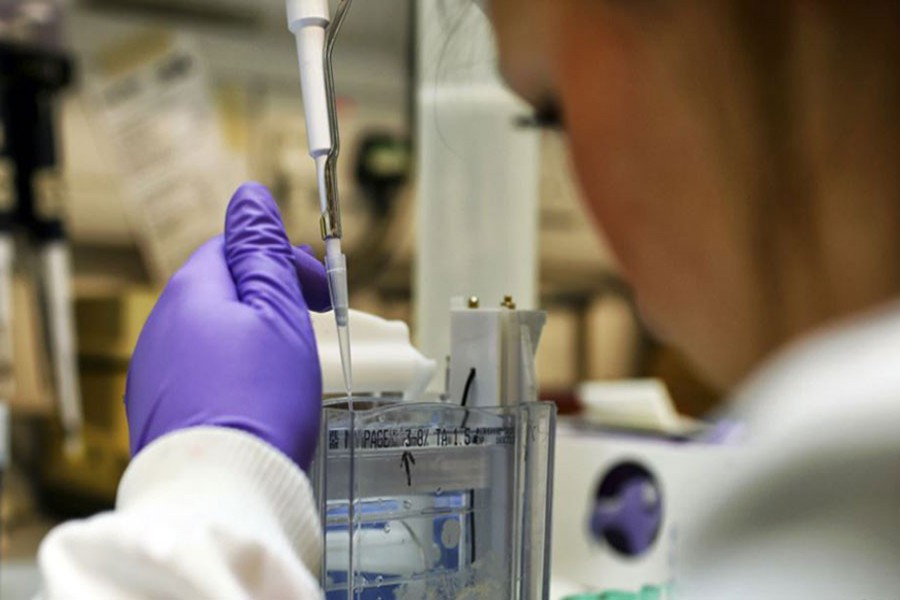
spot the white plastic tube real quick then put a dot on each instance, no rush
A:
(4, 440)
(61, 316)
(7, 255)
(308, 20)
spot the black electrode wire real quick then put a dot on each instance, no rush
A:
(465, 395)
(469, 380)
(471, 494)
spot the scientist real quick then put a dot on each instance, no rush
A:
(742, 158)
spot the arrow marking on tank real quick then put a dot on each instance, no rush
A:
(406, 461)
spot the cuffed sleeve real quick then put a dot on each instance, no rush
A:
(202, 513)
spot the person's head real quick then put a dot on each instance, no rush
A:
(741, 156)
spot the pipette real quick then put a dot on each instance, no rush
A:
(315, 31)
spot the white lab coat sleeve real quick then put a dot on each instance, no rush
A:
(814, 516)
(201, 513)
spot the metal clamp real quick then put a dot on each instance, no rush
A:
(331, 219)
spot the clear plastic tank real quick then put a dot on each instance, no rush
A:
(435, 501)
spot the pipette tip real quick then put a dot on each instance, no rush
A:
(344, 344)
(336, 269)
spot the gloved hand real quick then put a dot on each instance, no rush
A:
(230, 342)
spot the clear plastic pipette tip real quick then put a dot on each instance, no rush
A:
(336, 269)
(344, 344)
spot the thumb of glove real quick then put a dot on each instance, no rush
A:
(260, 256)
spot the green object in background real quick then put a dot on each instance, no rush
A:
(648, 593)
(605, 596)
(619, 596)
(651, 593)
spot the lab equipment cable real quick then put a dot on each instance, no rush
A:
(316, 32)
(465, 396)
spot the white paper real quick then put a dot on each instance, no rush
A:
(160, 117)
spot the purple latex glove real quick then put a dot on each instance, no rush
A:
(230, 342)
